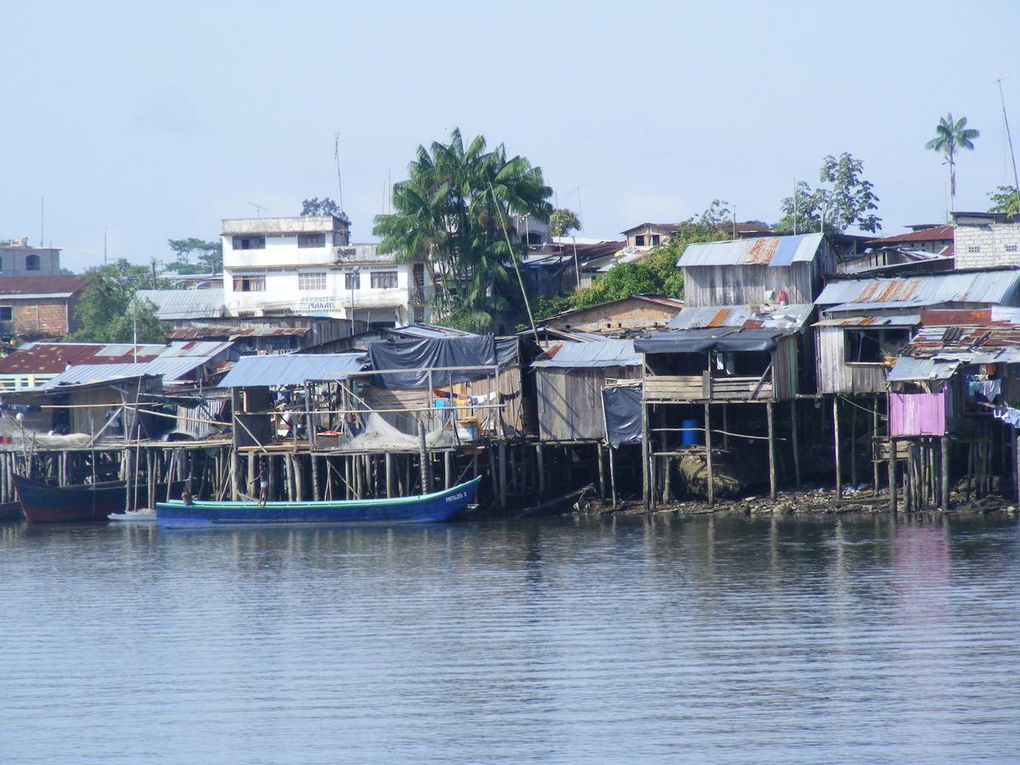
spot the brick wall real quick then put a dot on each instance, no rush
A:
(45, 317)
(997, 244)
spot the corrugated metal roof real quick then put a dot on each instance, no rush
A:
(907, 369)
(600, 353)
(742, 317)
(918, 291)
(296, 369)
(186, 304)
(204, 348)
(88, 374)
(894, 320)
(40, 286)
(127, 351)
(762, 251)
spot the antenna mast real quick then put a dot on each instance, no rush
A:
(1009, 137)
(336, 157)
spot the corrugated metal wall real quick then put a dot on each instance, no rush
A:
(917, 414)
(741, 285)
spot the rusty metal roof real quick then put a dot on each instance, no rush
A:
(954, 287)
(52, 286)
(760, 251)
(742, 317)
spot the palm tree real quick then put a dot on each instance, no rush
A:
(451, 212)
(951, 135)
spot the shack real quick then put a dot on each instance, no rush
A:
(569, 378)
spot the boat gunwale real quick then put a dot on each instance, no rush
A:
(324, 503)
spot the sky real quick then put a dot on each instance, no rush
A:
(144, 121)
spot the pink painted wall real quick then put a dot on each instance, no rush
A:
(917, 414)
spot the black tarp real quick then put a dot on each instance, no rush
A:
(723, 340)
(623, 414)
(419, 356)
(682, 341)
(764, 339)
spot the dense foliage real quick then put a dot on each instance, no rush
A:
(657, 273)
(195, 256)
(563, 221)
(108, 310)
(452, 212)
(847, 200)
(1005, 200)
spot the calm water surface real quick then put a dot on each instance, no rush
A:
(810, 641)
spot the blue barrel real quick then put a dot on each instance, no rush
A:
(690, 437)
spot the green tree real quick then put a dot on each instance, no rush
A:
(452, 213)
(195, 256)
(1005, 200)
(108, 310)
(563, 221)
(847, 200)
(950, 136)
(656, 273)
(324, 206)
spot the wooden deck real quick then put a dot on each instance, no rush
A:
(685, 388)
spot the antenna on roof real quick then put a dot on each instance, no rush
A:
(336, 157)
(1009, 137)
(259, 209)
(42, 220)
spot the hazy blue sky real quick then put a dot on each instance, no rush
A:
(156, 120)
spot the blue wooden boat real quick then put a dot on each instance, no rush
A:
(425, 508)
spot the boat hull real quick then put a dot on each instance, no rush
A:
(428, 508)
(42, 503)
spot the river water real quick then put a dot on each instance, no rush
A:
(867, 640)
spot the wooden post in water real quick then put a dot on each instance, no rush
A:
(773, 488)
(945, 473)
(892, 474)
(853, 445)
(612, 475)
(540, 458)
(795, 440)
(835, 446)
(602, 470)
(388, 460)
(646, 493)
(708, 454)
(423, 458)
(447, 469)
(502, 474)
(871, 446)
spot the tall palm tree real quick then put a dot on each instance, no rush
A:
(451, 212)
(951, 135)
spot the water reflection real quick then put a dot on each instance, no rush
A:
(627, 639)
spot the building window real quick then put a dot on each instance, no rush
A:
(352, 280)
(1011, 248)
(249, 243)
(639, 240)
(384, 280)
(874, 346)
(312, 281)
(974, 248)
(655, 240)
(32, 263)
(6, 313)
(311, 240)
(250, 283)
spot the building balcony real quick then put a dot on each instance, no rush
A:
(705, 387)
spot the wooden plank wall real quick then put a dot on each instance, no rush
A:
(835, 375)
(743, 285)
(570, 401)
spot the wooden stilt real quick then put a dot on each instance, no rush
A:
(540, 458)
(646, 488)
(316, 496)
(612, 475)
(773, 488)
(871, 446)
(835, 445)
(602, 470)
(892, 475)
(502, 475)
(853, 445)
(447, 469)
(945, 474)
(388, 461)
(795, 441)
(708, 454)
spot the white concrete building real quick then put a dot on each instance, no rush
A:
(986, 240)
(18, 258)
(306, 266)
